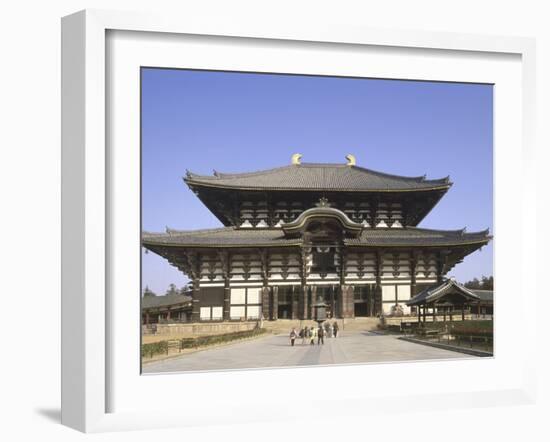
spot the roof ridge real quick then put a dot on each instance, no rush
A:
(234, 175)
(222, 175)
(389, 175)
(458, 231)
(425, 229)
(183, 231)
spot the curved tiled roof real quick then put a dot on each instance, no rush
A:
(434, 293)
(164, 301)
(240, 237)
(223, 236)
(484, 295)
(418, 236)
(322, 212)
(319, 177)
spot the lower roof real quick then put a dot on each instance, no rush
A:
(275, 237)
(436, 292)
(164, 301)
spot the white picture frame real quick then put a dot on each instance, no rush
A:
(87, 314)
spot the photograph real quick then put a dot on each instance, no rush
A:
(292, 220)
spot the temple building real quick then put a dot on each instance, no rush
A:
(306, 234)
(155, 309)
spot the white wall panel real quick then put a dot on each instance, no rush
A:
(403, 292)
(217, 312)
(253, 295)
(205, 313)
(238, 296)
(388, 293)
(236, 312)
(253, 312)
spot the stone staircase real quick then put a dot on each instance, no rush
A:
(360, 324)
(283, 326)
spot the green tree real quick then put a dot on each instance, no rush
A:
(473, 284)
(172, 290)
(148, 292)
(184, 290)
(487, 283)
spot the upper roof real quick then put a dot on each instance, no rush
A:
(317, 177)
(273, 237)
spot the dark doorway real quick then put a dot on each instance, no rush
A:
(361, 309)
(284, 311)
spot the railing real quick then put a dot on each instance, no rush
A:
(482, 316)
(466, 341)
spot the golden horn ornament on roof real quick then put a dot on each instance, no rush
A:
(296, 158)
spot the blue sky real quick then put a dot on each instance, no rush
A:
(241, 122)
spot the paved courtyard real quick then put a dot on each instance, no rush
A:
(275, 351)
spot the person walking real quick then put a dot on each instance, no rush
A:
(327, 329)
(293, 335)
(321, 336)
(335, 327)
(312, 333)
(303, 335)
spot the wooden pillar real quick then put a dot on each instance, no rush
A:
(346, 292)
(370, 298)
(226, 300)
(332, 302)
(345, 301)
(225, 260)
(451, 314)
(313, 301)
(378, 310)
(463, 312)
(304, 295)
(418, 311)
(424, 313)
(433, 313)
(295, 299)
(413, 266)
(444, 314)
(264, 262)
(304, 253)
(191, 265)
(265, 303)
(275, 303)
(196, 313)
(146, 318)
(442, 257)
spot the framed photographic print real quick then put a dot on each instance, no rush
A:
(250, 212)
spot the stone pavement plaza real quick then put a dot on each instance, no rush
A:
(275, 351)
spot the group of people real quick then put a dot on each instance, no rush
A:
(310, 333)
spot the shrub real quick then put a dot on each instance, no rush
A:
(202, 341)
(161, 347)
(154, 348)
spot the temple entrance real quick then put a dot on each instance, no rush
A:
(327, 294)
(363, 300)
